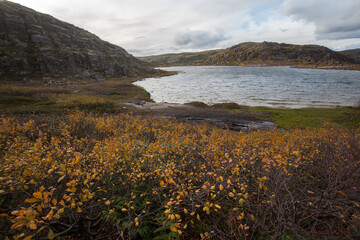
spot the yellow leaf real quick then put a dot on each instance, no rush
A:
(54, 202)
(221, 187)
(311, 192)
(217, 206)
(50, 215)
(39, 208)
(241, 202)
(173, 229)
(32, 225)
(356, 204)
(31, 200)
(51, 234)
(185, 211)
(28, 237)
(107, 202)
(162, 183)
(61, 210)
(61, 178)
(38, 195)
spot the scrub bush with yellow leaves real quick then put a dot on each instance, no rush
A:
(83, 176)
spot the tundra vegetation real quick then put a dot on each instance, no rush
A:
(88, 175)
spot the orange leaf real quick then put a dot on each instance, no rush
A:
(342, 193)
(17, 225)
(38, 195)
(28, 237)
(32, 225)
(31, 200)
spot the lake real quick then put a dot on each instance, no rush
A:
(256, 86)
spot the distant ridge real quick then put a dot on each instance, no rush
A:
(259, 54)
(32, 43)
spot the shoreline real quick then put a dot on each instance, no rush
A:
(120, 95)
(355, 67)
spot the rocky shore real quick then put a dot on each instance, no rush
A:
(218, 117)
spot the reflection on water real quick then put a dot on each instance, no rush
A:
(257, 86)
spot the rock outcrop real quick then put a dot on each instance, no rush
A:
(32, 43)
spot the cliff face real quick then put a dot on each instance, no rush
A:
(32, 43)
(252, 54)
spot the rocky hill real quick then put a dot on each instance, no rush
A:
(353, 54)
(259, 54)
(32, 43)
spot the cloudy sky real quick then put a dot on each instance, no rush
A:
(145, 27)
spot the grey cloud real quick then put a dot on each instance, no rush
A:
(199, 39)
(333, 19)
(353, 46)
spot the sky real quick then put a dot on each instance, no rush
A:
(145, 27)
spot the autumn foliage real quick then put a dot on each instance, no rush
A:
(83, 176)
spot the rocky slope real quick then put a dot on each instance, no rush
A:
(259, 54)
(353, 54)
(32, 43)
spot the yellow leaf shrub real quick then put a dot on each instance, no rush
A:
(81, 174)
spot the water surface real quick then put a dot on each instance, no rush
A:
(257, 86)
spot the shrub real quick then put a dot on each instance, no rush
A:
(85, 176)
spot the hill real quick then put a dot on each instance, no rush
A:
(32, 43)
(353, 54)
(259, 54)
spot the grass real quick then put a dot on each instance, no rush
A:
(286, 118)
(88, 95)
(311, 117)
